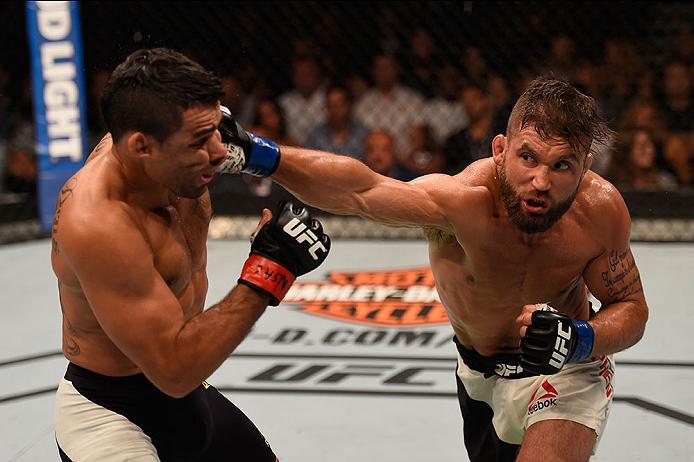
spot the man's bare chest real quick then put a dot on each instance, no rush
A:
(178, 242)
(503, 268)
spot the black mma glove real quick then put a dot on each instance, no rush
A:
(553, 340)
(289, 245)
(246, 152)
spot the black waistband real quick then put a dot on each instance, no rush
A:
(503, 365)
(79, 375)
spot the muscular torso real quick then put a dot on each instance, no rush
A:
(177, 236)
(489, 270)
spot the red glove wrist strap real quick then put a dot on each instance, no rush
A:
(267, 275)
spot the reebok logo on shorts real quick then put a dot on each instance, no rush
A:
(547, 397)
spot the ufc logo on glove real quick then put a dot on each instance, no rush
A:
(560, 347)
(301, 233)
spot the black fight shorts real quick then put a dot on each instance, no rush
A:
(101, 418)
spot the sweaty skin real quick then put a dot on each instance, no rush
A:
(490, 274)
(177, 232)
(130, 257)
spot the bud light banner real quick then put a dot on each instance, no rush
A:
(59, 97)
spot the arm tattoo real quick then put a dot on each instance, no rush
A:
(622, 278)
(64, 195)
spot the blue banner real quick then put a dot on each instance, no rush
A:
(55, 44)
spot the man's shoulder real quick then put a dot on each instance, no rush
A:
(597, 193)
(480, 173)
(91, 203)
(467, 188)
(90, 218)
(602, 204)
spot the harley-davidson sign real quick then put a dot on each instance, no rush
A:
(386, 298)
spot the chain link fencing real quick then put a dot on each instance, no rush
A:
(422, 86)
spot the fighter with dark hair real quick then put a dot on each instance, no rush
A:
(516, 243)
(129, 252)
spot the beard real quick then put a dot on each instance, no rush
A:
(524, 221)
(188, 191)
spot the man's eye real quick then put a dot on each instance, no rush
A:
(561, 166)
(527, 157)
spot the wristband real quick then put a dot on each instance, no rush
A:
(267, 276)
(264, 157)
(584, 342)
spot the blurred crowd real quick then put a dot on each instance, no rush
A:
(411, 110)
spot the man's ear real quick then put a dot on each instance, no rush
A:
(588, 162)
(499, 144)
(139, 144)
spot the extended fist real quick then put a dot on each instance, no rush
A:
(246, 152)
(288, 245)
(550, 339)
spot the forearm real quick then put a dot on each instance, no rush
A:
(206, 340)
(326, 181)
(618, 326)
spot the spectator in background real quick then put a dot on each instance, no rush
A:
(422, 62)
(620, 72)
(562, 59)
(500, 97)
(678, 153)
(269, 123)
(379, 156)
(586, 80)
(443, 113)
(340, 133)
(425, 156)
(388, 27)
(645, 87)
(633, 164)
(357, 85)
(21, 171)
(684, 45)
(678, 104)
(647, 115)
(390, 106)
(270, 120)
(5, 116)
(95, 123)
(475, 67)
(304, 105)
(474, 141)
(242, 104)
(643, 113)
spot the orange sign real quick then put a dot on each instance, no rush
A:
(385, 298)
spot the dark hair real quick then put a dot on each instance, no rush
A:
(621, 170)
(149, 91)
(257, 120)
(556, 109)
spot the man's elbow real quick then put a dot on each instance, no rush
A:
(641, 322)
(172, 381)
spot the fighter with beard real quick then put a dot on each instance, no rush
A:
(516, 243)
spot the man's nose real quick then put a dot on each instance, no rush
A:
(541, 181)
(217, 149)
